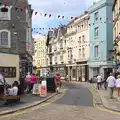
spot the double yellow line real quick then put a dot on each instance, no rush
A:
(101, 107)
(34, 108)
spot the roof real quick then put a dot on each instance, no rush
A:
(114, 4)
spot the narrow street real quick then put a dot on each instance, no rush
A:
(75, 104)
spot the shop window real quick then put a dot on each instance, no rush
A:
(73, 73)
(9, 71)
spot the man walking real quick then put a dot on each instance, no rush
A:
(99, 80)
(111, 84)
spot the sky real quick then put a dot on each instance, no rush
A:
(67, 8)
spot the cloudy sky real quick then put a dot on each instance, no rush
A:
(67, 8)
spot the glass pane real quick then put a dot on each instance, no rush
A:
(4, 38)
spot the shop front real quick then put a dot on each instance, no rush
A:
(9, 65)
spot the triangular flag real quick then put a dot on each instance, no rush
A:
(45, 15)
(5, 5)
(62, 17)
(50, 15)
(21, 9)
(16, 9)
(0, 3)
(36, 13)
(76, 18)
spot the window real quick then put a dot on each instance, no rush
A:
(5, 12)
(96, 16)
(83, 38)
(83, 52)
(5, 38)
(96, 32)
(74, 71)
(96, 51)
(79, 53)
(79, 41)
(61, 58)
(9, 71)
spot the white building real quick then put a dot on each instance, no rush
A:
(77, 38)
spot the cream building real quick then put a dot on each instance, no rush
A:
(77, 52)
(40, 57)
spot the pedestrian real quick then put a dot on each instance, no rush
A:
(27, 82)
(67, 78)
(58, 81)
(33, 80)
(117, 84)
(14, 90)
(105, 83)
(2, 84)
(99, 80)
(111, 84)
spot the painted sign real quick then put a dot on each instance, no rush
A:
(36, 89)
(43, 91)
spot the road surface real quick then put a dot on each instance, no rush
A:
(76, 104)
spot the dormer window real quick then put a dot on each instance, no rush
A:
(5, 13)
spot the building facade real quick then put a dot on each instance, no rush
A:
(101, 38)
(77, 38)
(58, 50)
(41, 61)
(13, 40)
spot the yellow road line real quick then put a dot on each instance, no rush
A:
(102, 107)
(30, 109)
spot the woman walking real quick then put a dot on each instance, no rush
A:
(117, 84)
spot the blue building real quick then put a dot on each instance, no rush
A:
(101, 38)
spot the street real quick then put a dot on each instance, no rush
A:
(75, 104)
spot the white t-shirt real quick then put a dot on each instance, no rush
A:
(2, 79)
(13, 91)
(111, 81)
(99, 78)
(27, 78)
(117, 84)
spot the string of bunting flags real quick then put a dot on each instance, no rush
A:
(3, 2)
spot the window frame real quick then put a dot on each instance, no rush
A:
(96, 16)
(8, 13)
(96, 34)
(96, 51)
(9, 38)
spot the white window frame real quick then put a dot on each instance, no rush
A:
(96, 31)
(8, 13)
(9, 38)
(96, 16)
(96, 51)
